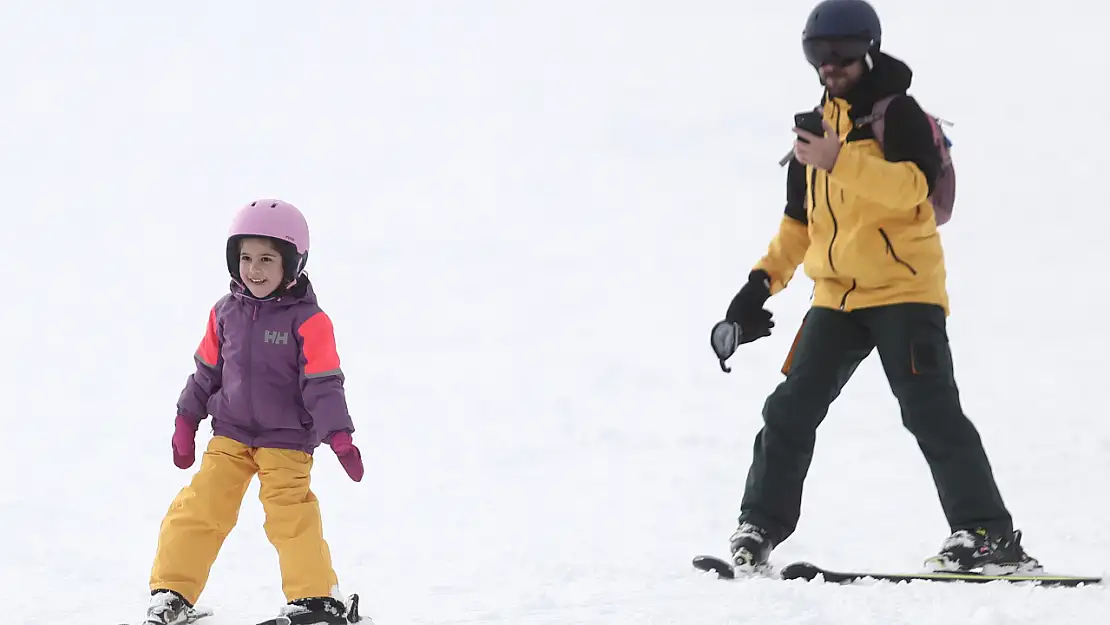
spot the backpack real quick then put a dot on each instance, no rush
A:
(943, 197)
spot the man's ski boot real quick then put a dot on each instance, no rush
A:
(169, 608)
(323, 611)
(979, 551)
(751, 547)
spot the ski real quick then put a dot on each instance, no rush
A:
(713, 564)
(809, 572)
(279, 620)
(195, 615)
(726, 570)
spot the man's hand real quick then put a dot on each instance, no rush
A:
(821, 152)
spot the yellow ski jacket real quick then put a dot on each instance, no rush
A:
(865, 231)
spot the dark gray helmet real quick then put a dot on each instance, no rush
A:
(841, 31)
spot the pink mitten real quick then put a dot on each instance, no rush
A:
(184, 441)
(349, 455)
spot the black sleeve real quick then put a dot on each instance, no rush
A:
(908, 136)
(796, 191)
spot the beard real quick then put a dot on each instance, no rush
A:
(839, 83)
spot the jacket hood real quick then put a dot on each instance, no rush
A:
(887, 76)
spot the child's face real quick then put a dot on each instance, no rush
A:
(260, 266)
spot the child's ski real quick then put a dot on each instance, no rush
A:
(195, 615)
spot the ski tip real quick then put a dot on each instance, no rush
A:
(713, 564)
(352, 609)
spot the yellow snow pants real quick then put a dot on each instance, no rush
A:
(205, 511)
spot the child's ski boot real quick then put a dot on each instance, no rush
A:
(169, 608)
(323, 611)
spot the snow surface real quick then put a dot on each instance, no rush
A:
(526, 218)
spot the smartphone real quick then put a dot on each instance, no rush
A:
(809, 121)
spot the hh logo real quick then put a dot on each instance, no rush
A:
(277, 338)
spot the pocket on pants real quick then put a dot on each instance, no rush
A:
(929, 353)
(924, 358)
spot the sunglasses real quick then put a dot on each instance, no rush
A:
(838, 52)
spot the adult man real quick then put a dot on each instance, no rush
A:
(858, 216)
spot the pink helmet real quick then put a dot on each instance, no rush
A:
(277, 220)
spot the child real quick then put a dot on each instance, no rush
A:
(268, 373)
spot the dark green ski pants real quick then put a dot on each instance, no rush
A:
(913, 345)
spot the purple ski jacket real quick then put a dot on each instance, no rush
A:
(268, 373)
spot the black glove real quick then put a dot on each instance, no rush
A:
(746, 319)
(746, 309)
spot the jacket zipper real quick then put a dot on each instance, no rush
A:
(828, 202)
(890, 249)
(836, 225)
(812, 194)
(250, 371)
(844, 300)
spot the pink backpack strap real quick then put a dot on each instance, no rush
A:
(875, 119)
